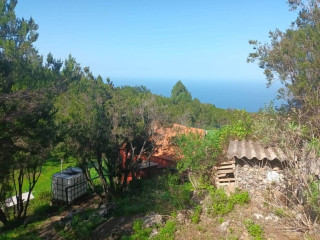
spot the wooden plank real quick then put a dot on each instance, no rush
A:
(226, 163)
(226, 180)
(226, 167)
(223, 184)
(222, 174)
(225, 171)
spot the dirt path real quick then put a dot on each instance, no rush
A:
(47, 230)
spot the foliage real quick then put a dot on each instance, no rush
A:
(139, 231)
(26, 107)
(23, 232)
(221, 204)
(199, 153)
(293, 58)
(239, 128)
(279, 212)
(195, 217)
(163, 194)
(167, 231)
(255, 230)
(82, 225)
(314, 199)
(179, 93)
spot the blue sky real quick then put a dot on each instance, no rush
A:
(147, 39)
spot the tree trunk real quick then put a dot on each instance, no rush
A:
(3, 217)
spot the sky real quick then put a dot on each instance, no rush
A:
(188, 40)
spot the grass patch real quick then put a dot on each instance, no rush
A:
(29, 232)
(195, 217)
(139, 232)
(167, 231)
(50, 167)
(164, 194)
(82, 225)
(221, 204)
(279, 212)
(255, 230)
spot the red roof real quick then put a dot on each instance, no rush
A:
(165, 149)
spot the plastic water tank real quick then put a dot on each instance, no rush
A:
(69, 185)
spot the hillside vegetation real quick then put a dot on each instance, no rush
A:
(56, 114)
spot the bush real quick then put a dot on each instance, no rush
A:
(255, 230)
(279, 212)
(139, 233)
(130, 206)
(179, 195)
(195, 217)
(82, 225)
(164, 194)
(167, 231)
(221, 203)
(240, 197)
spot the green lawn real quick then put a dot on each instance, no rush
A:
(50, 167)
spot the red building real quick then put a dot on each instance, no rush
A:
(166, 153)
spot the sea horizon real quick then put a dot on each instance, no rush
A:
(251, 95)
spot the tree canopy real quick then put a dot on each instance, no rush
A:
(180, 93)
(293, 57)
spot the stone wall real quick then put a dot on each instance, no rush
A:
(257, 176)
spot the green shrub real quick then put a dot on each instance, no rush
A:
(240, 197)
(22, 232)
(255, 230)
(279, 212)
(82, 225)
(222, 204)
(180, 195)
(139, 233)
(220, 220)
(195, 217)
(167, 231)
(131, 206)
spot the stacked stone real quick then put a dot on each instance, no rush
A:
(254, 179)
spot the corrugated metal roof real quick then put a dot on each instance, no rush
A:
(250, 150)
(146, 164)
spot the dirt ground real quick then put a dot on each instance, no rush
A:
(47, 230)
(230, 227)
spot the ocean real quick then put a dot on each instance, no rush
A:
(234, 94)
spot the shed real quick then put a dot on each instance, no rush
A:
(147, 169)
(251, 166)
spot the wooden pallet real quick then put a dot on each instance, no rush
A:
(225, 173)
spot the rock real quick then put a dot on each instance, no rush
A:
(103, 213)
(223, 227)
(183, 216)
(105, 205)
(299, 216)
(116, 234)
(71, 214)
(106, 209)
(153, 233)
(279, 195)
(258, 215)
(272, 217)
(67, 227)
(152, 220)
